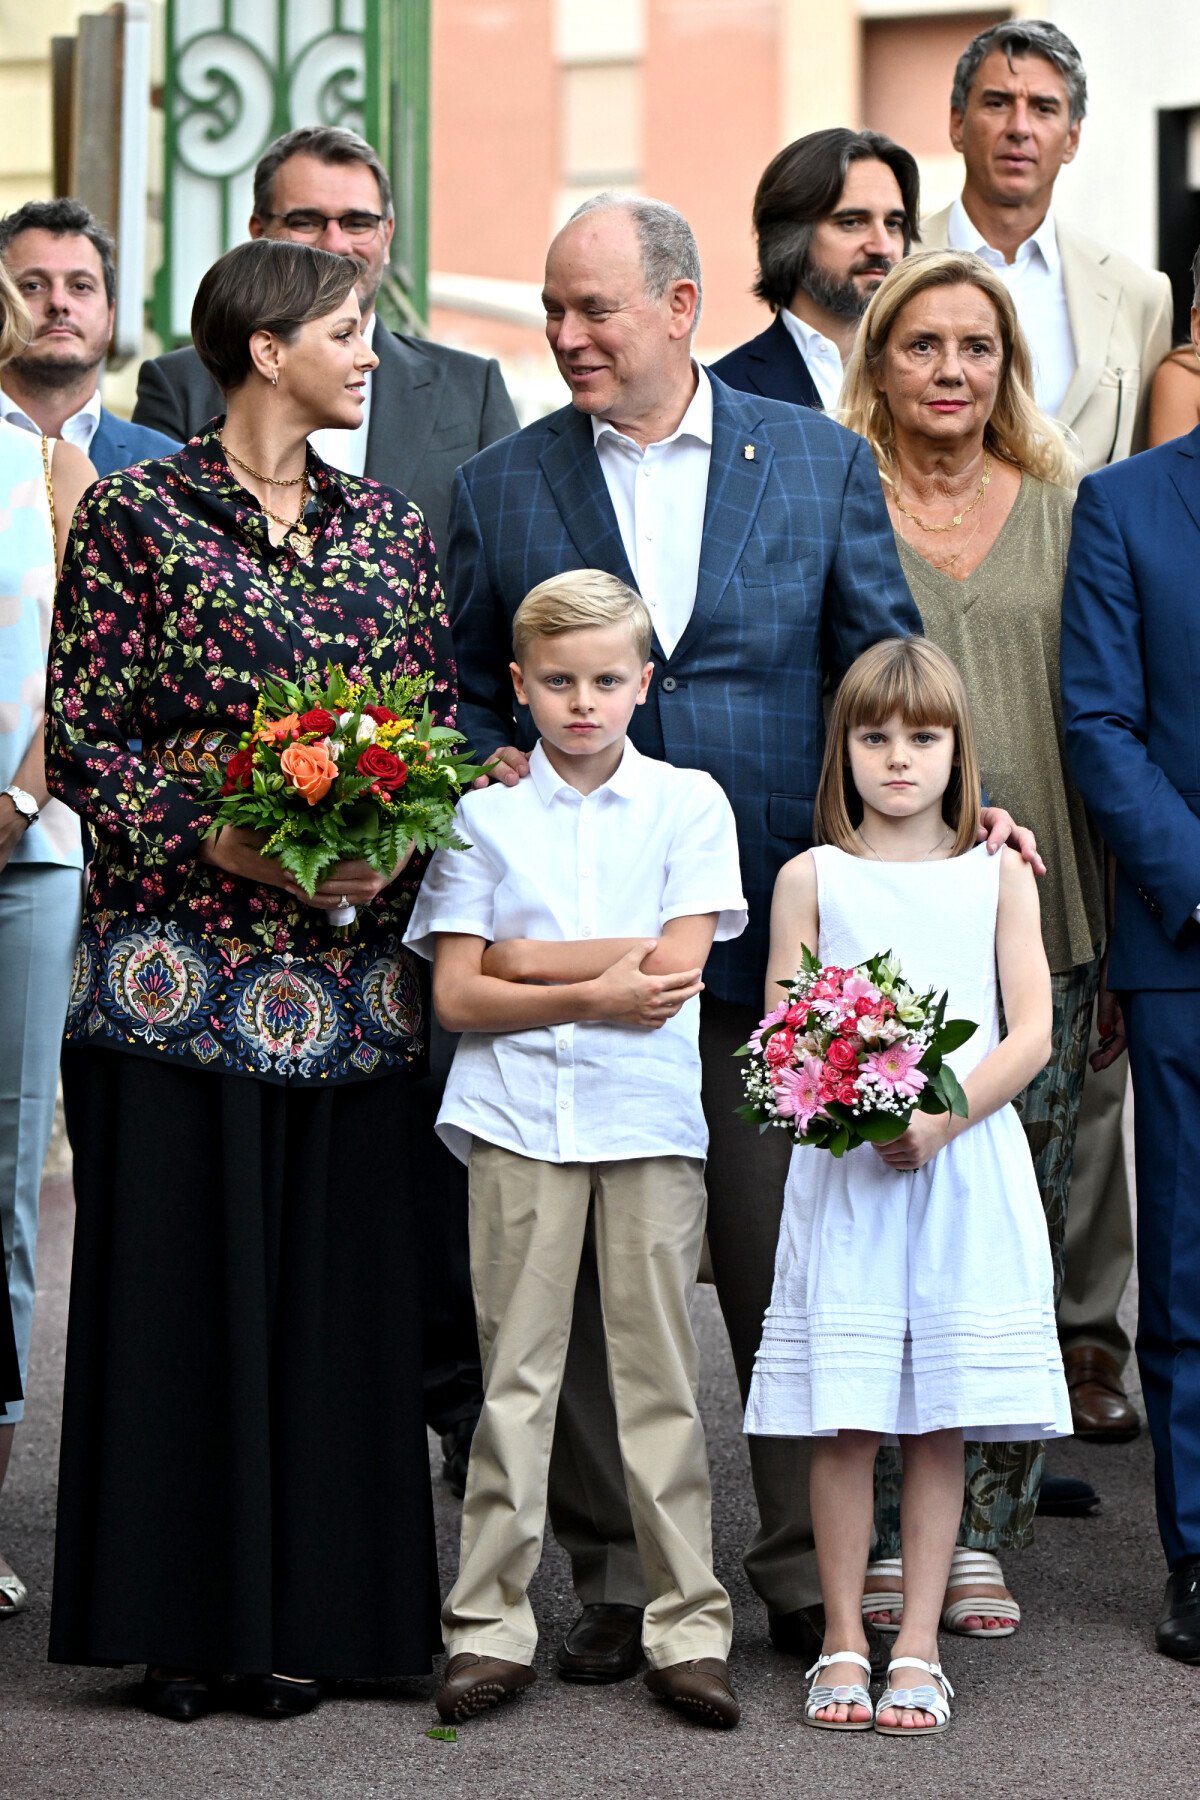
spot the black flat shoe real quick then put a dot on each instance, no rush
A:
(1066, 1497)
(181, 1697)
(456, 1452)
(802, 1633)
(274, 1697)
(1178, 1633)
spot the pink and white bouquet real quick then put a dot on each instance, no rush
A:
(849, 1054)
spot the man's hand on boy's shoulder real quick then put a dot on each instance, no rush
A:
(507, 765)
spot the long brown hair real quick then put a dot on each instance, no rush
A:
(912, 677)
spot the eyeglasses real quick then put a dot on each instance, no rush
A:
(308, 224)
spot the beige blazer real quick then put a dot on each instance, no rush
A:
(1120, 319)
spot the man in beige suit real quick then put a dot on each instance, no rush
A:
(1098, 326)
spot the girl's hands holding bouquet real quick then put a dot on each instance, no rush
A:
(927, 1133)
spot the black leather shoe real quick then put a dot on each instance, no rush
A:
(273, 1697)
(456, 1452)
(1066, 1497)
(604, 1644)
(1178, 1633)
(181, 1697)
(802, 1633)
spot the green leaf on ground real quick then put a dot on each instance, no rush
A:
(442, 1734)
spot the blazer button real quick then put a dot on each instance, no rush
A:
(668, 684)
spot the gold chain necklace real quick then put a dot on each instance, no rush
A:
(959, 516)
(271, 480)
(858, 832)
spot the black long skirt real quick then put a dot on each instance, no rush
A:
(10, 1370)
(244, 1482)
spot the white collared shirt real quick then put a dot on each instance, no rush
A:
(545, 861)
(79, 429)
(822, 358)
(658, 495)
(343, 447)
(1035, 281)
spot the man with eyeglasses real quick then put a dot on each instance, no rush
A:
(428, 408)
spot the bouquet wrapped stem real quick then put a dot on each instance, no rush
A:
(343, 771)
(849, 1055)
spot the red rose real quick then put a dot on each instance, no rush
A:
(842, 1055)
(381, 715)
(797, 1013)
(383, 768)
(238, 772)
(847, 1093)
(319, 721)
(779, 1048)
(848, 1028)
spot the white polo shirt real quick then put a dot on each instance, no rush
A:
(545, 861)
(659, 494)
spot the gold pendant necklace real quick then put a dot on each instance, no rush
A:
(958, 516)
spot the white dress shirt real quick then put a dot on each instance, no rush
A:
(79, 429)
(658, 495)
(1035, 281)
(343, 447)
(822, 358)
(545, 861)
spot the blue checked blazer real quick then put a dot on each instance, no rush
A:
(798, 575)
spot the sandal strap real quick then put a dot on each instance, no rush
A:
(853, 1695)
(972, 1566)
(919, 1699)
(823, 1662)
(915, 1662)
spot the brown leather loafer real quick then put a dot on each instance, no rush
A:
(474, 1684)
(701, 1688)
(1100, 1411)
(604, 1644)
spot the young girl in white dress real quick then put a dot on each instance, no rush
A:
(913, 1289)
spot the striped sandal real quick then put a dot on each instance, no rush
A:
(978, 1566)
(883, 1595)
(855, 1695)
(926, 1698)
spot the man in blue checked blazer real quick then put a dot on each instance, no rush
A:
(758, 536)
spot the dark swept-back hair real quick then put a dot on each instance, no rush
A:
(802, 185)
(327, 144)
(1023, 37)
(265, 285)
(64, 218)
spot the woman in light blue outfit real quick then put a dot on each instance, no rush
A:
(41, 860)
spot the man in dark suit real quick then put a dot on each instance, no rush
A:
(1131, 717)
(62, 263)
(428, 408)
(832, 214)
(758, 536)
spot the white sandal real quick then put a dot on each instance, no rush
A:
(881, 1597)
(926, 1698)
(971, 1566)
(854, 1695)
(16, 1593)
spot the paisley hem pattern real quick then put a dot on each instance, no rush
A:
(154, 989)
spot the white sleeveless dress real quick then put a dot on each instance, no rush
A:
(913, 1302)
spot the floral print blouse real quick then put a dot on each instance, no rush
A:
(173, 604)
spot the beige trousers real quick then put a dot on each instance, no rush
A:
(528, 1222)
(1099, 1240)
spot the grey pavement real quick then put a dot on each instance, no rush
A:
(1076, 1706)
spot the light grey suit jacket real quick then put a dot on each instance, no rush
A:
(1120, 319)
(431, 409)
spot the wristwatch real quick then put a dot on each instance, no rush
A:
(26, 805)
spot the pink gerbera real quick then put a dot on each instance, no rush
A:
(857, 988)
(895, 1068)
(798, 1091)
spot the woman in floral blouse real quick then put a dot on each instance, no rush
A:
(244, 1486)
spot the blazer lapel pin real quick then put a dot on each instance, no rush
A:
(748, 452)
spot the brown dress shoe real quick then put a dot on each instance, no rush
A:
(701, 1688)
(604, 1644)
(1100, 1411)
(474, 1684)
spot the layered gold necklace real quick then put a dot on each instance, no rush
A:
(296, 532)
(958, 517)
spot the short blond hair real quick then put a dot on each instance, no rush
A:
(576, 601)
(912, 677)
(1017, 431)
(16, 324)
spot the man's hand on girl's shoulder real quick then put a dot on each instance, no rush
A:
(997, 828)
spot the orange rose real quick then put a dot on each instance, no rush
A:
(310, 769)
(275, 729)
